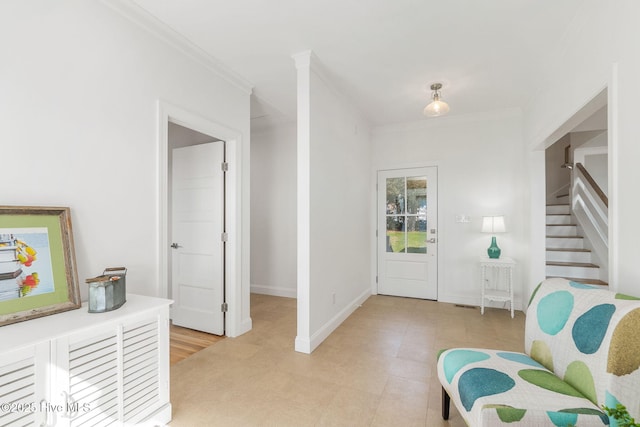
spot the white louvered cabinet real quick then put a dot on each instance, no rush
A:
(23, 383)
(104, 369)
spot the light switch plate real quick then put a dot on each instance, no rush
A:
(462, 218)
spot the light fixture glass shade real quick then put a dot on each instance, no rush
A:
(436, 108)
(493, 224)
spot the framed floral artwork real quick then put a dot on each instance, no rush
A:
(37, 263)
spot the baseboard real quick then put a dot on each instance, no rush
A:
(303, 345)
(161, 417)
(274, 291)
(326, 330)
(245, 325)
(475, 301)
(459, 299)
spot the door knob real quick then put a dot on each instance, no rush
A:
(431, 240)
(175, 246)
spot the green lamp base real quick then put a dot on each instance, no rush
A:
(494, 250)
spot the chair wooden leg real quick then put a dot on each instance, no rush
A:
(446, 403)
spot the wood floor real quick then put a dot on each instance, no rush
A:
(185, 342)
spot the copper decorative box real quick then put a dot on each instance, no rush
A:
(108, 291)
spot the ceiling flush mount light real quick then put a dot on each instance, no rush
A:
(437, 107)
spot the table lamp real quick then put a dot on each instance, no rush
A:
(493, 224)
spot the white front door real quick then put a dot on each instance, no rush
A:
(197, 226)
(407, 232)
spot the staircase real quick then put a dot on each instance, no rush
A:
(566, 256)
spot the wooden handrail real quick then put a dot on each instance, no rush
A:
(593, 184)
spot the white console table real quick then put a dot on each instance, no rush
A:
(78, 367)
(502, 269)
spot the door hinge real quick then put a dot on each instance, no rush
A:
(225, 166)
(376, 233)
(376, 279)
(224, 307)
(224, 236)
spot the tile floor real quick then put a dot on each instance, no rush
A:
(376, 369)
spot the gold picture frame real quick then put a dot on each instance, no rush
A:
(37, 263)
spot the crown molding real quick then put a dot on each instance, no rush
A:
(309, 60)
(303, 59)
(145, 20)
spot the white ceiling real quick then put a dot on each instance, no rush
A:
(382, 54)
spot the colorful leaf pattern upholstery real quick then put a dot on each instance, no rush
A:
(582, 350)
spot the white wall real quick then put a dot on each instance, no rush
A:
(179, 136)
(591, 149)
(557, 178)
(273, 210)
(597, 166)
(598, 51)
(334, 234)
(480, 162)
(79, 87)
(588, 139)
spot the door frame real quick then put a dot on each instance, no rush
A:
(374, 218)
(232, 264)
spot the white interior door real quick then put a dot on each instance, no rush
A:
(197, 260)
(407, 232)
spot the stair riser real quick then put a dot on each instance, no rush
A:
(562, 230)
(558, 209)
(576, 243)
(565, 271)
(568, 256)
(558, 219)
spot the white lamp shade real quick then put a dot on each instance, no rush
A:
(436, 108)
(493, 224)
